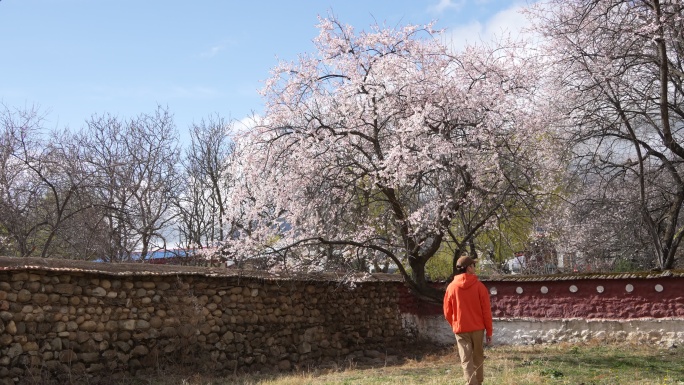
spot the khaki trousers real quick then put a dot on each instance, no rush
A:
(471, 350)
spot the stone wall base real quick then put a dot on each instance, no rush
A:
(431, 329)
(665, 332)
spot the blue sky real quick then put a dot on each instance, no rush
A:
(76, 58)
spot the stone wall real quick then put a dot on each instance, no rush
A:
(97, 322)
(79, 322)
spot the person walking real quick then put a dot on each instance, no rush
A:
(468, 311)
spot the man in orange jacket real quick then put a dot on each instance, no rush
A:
(468, 310)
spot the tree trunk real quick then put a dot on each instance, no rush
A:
(420, 286)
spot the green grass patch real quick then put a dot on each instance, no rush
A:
(590, 364)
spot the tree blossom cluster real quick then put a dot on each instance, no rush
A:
(386, 142)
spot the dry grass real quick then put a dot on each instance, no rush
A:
(590, 364)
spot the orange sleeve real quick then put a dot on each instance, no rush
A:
(486, 309)
(448, 307)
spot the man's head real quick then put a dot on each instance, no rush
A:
(464, 263)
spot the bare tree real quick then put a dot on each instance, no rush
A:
(134, 164)
(20, 187)
(203, 201)
(42, 184)
(619, 69)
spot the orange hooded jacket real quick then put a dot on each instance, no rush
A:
(467, 306)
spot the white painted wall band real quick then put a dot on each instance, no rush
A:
(517, 331)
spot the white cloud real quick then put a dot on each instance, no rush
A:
(217, 48)
(213, 51)
(246, 124)
(444, 5)
(508, 22)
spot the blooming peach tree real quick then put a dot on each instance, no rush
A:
(386, 145)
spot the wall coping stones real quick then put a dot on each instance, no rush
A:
(146, 269)
(584, 276)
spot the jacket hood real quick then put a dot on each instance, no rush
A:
(465, 280)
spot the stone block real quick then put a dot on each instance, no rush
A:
(284, 365)
(128, 324)
(64, 288)
(140, 350)
(89, 357)
(68, 356)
